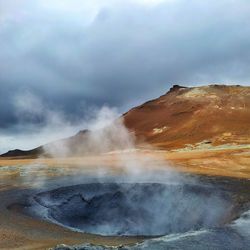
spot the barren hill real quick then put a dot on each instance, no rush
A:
(194, 117)
(197, 117)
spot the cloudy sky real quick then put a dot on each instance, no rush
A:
(62, 59)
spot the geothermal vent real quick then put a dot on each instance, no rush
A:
(145, 209)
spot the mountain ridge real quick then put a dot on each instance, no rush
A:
(183, 117)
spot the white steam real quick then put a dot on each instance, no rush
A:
(40, 124)
(104, 134)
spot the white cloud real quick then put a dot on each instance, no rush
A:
(151, 2)
(115, 52)
(88, 9)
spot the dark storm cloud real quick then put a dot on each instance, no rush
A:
(73, 54)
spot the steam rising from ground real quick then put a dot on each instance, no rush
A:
(103, 133)
(47, 124)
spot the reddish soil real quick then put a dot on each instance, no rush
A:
(214, 115)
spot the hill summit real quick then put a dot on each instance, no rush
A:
(214, 114)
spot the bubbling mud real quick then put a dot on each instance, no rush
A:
(133, 209)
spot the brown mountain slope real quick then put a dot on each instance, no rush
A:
(182, 118)
(215, 115)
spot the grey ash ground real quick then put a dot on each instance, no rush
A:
(210, 214)
(145, 209)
